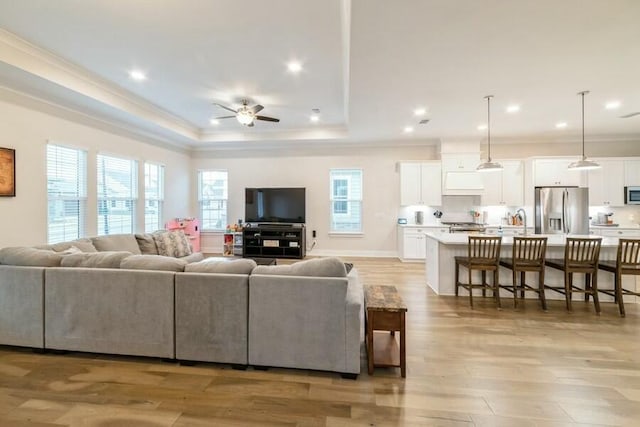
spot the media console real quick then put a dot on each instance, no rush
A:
(274, 241)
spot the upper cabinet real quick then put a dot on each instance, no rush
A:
(632, 173)
(421, 183)
(505, 187)
(606, 185)
(555, 173)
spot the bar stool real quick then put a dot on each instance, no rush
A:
(483, 254)
(527, 256)
(627, 262)
(580, 256)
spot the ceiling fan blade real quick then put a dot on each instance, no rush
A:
(225, 117)
(257, 108)
(267, 119)
(225, 107)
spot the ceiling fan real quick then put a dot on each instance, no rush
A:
(245, 114)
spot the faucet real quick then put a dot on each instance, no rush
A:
(524, 217)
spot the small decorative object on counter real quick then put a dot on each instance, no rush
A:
(437, 214)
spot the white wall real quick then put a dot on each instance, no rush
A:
(381, 184)
(23, 219)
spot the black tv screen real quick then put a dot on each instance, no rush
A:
(286, 205)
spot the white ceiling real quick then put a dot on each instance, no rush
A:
(367, 65)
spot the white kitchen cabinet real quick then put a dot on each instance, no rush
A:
(412, 242)
(618, 232)
(460, 162)
(606, 185)
(421, 183)
(632, 173)
(505, 187)
(555, 173)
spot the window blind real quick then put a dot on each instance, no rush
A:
(66, 193)
(153, 196)
(117, 194)
(212, 199)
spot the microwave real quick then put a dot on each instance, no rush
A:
(632, 195)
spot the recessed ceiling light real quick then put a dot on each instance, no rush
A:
(514, 108)
(561, 125)
(214, 122)
(408, 129)
(137, 75)
(294, 67)
(314, 118)
(482, 127)
(420, 111)
(612, 105)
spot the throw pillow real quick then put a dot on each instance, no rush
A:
(106, 259)
(147, 244)
(212, 265)
(153, 262)
(84, 244)
(172, 243)
(31, 257)
(117, 242)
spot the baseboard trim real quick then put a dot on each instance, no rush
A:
(353, 253)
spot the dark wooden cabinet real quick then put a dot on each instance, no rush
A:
(274, 241)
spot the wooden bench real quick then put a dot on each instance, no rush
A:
(385, 311)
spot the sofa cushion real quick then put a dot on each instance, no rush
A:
(117, 242)
(106, 259)
(317, 267)
(84, 244)
(172, 243)
(153, 262)
(147, 244)
(33, 257)
(213, 265)
(194, 257)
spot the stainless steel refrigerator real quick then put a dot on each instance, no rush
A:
(562, 210)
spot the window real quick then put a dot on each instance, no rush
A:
(346, 200)
(153, 196)
(66, 193)
(117, 194)
(212, 197)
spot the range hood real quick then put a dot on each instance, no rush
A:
(462, 183)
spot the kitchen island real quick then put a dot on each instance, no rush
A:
(442, 248)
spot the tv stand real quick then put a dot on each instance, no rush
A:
(274, 241)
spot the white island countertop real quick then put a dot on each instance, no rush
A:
(553, 240)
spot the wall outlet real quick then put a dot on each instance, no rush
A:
(313, 233)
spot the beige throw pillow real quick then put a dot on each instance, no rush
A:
(172, 243)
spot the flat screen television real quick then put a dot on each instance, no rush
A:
(276, 205)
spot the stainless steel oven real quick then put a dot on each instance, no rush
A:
(632, 195)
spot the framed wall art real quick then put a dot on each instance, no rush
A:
(7, 172)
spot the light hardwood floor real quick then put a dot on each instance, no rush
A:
(465, 367)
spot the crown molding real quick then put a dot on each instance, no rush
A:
(39, 62)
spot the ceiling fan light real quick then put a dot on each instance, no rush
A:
(583, 164)
(244, 117)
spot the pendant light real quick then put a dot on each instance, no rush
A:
(489, 166)
(583, 164)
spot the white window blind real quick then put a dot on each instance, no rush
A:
(66, 193)
(117, 194)
(153, 196)
(346, 200)
(212, 197)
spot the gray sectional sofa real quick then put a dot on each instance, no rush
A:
(112, 294)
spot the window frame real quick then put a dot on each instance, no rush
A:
(224, 215)
(159, 200)
(112, 202)
(348, 200)
(80, 198)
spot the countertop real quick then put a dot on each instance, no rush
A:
(553, 239)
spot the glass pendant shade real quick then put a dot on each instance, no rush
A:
(489, 166)
(583, 164)
(245, 117)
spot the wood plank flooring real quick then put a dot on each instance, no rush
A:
(465, 367)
